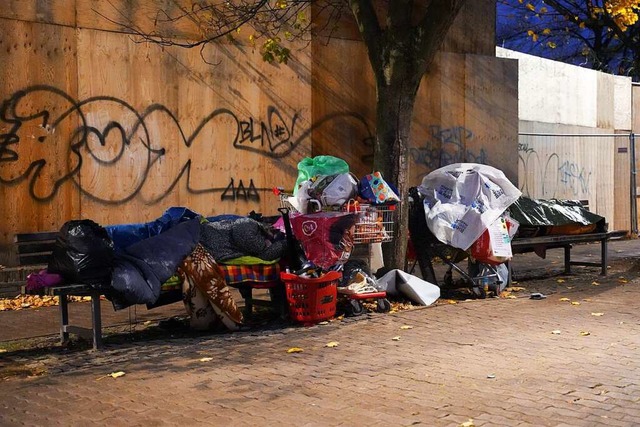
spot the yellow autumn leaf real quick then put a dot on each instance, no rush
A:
(597, 314)
(116, 374)
(594, 283)
(556, 332)
(406, 327)
(623, 280)
(3, 350)
(469, 423)
(450, 301)
(531, 7)
(575, 303)
(332, 344)
(295, 350)
(546, 31)
(516, 288)
(564, 299)
(560, 280)
(206, 359)
(584, 333)
(396, 338)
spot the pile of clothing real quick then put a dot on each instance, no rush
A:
(180, 251)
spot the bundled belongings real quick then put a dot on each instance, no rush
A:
(462, 200)
(206, 295)
(233, 238)
(464, 214)
(140, 269)
(327, 237)
(83, 253)
(554, 217)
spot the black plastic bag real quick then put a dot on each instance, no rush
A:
(83, 253)
(540, 217)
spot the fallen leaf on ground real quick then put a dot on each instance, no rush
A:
(396, 338)
(517, 288)
(594, 283)
(3, 350)
(323, 323)
(450, 301)
(332, 344)
(206, 359)
(556, 332)
(295, 350)
(623, 280)
(575, 303)
(560, 280)
(112, 375)
(584, 333)
(406, 327)
(597, 314)
(564, 299)
(570, 287)
(469, 423)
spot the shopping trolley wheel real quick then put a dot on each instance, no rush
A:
(480, 292)
(354, 308)
(383, 305)
(448, 279)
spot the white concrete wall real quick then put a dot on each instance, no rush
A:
(559, 99)
(554, 92)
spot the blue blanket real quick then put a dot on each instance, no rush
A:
(140, 269)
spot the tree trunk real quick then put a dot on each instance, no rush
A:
(394, 115)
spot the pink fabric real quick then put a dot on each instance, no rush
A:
(42, 279)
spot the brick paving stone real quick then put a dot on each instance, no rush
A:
(435, 375)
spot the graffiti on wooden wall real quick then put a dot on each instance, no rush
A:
(446, 146)
(104, 132)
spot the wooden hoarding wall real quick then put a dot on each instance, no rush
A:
(97, 125)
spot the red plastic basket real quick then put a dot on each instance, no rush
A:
(311, 300)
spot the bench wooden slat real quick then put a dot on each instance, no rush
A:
(35, 249)
(35, 259)
(38, 247)
(35, 237)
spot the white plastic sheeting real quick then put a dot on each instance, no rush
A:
(463, 199)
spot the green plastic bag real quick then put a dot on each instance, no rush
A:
(319, 165)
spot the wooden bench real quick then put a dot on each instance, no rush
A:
(34, 250)
(566, 241)
(426, 245)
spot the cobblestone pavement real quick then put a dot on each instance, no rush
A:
(567, 360)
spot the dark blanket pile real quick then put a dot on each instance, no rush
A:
(539, 217)
(140, 269)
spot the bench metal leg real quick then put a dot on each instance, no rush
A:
(64, 318)
(567, 259)
(247, 294)
(604, 257)
(96, 320)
